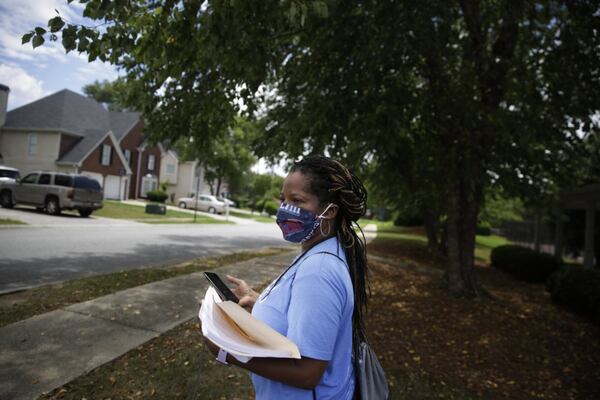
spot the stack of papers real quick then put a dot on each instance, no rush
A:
(237, 332)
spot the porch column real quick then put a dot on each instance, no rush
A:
(590, 216)
(558, 233)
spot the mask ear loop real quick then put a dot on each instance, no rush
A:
(328, 223)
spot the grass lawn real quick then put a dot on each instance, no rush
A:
(255, 217)
(518, 345)
(8, 221)
(118, 210)
(21, 305)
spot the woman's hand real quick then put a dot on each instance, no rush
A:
(246, 295)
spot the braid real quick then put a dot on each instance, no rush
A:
(333, 183)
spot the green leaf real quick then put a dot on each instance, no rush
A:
(38, 40)
(39, 30)
(27, 37)
(56, 24)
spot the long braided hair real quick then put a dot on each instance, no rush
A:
(332, 182)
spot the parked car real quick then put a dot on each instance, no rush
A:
(231, 203)
(8, 174)
(205, 202)
(53, 192)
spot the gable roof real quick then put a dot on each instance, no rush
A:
(121, 122)
(70, 112)
(73, 114)
(89, 143)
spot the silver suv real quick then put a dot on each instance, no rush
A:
(53, 192)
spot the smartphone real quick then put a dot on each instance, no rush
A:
(224, 292)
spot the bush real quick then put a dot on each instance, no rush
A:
(524, 263)
(576, 288)
(483, 230)
(271, 207)
(158, 196)
(407, 219)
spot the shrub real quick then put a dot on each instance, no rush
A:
(271, 207)
(576, 288)
(157, 195)
(524, 263)
(483, 230)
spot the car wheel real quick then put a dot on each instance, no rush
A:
(85, 213)
(6, 199)
(212, 210)
(182, 204)
(52, 206)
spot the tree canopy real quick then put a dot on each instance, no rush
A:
(442, 99)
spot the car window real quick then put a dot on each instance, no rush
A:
(83, 182)
(9, 173)
(31, 178)
(63, 180)
(44, 179)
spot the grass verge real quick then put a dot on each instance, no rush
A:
(8, 221)
(118, 210)
(21, 305)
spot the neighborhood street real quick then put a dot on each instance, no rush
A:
(53, 249)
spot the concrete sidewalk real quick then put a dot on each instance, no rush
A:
(46, 351)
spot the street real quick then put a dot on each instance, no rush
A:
(61, 248)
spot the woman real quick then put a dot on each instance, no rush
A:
(323, 293)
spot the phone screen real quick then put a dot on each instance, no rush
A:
(224, 292)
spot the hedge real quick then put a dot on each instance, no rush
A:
(157, 195)
(524, 263)
(576, 288)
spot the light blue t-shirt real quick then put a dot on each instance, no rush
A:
(312, 305)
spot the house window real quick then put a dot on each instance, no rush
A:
(151, 161)
(106, 152)
(170, 168)
(32, 141)
(127, 155)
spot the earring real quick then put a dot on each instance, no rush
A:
(328, 228)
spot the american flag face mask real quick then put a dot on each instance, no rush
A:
(296, 224)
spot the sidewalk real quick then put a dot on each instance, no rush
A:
(46, 351)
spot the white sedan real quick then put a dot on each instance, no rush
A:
(205, 202)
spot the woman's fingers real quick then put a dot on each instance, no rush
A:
(235, 280)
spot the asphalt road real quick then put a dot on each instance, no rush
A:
(54, 249)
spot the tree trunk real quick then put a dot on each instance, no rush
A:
(219, 181)
(463, 208)
(432, 226)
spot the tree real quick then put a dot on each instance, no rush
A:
(114, 94)
(228, 159)
(455, 96)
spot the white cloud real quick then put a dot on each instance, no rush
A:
(24, 88)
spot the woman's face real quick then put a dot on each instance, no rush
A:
(295, 192)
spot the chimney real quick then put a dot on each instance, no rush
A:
(3, 103)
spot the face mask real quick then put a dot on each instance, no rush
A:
(298, 225)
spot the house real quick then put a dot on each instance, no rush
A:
(68, 132)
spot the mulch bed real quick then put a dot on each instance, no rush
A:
(518, 345)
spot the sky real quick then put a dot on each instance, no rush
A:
(32, 74)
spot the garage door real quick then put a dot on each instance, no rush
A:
(111, 187)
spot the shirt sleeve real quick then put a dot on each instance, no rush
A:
(316, 306)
